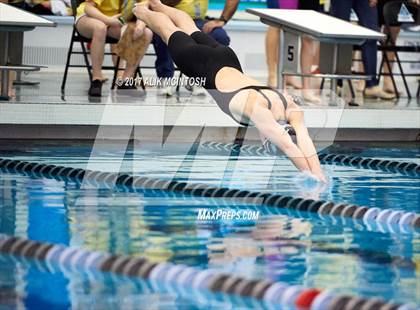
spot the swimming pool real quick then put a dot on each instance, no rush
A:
(291, 247)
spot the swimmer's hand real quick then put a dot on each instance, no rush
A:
(321, 177)
(309, 185)
(140, 9)
(307, 177)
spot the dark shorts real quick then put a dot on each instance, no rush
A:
(310, 5)
(200, 56)
(388, 11)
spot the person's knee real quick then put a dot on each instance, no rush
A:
(100, 30)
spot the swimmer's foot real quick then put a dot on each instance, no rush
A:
(156, 5)
(141, 9)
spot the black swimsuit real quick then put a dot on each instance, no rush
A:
(200, 56)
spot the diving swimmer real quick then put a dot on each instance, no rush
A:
(244, 99)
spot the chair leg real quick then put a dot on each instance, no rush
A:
(66, 69)
(353, 94)
(141, 78)
(381, 67)
(117, 68)
(179, 82)
(407, 89)
(321, 86)
(85, 57)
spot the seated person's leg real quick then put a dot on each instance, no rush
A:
(11, 91)
(164, 63)
(12, 78)
(113, 48)
(220, 35)
(341, 8)
(388, 85)
(368, 17)
(97, 31)
(115, 32)
(199, 22)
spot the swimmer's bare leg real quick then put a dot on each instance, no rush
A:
(158, 22)
(181, 19)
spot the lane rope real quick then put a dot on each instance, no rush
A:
(183, 275)
(390, 166)
(390, 218)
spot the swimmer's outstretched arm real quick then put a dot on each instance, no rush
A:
(308, 149)
(296, 119)
(264, 121)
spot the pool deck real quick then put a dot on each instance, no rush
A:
(42, 112)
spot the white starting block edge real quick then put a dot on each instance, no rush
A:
(14, 17)
(317, 25)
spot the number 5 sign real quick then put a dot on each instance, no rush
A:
(290, 52)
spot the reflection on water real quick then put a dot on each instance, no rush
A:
(305, 251)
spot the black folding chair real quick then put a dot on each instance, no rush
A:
(391, 11)
(77, 37)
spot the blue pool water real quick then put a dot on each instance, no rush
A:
(302, 250)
